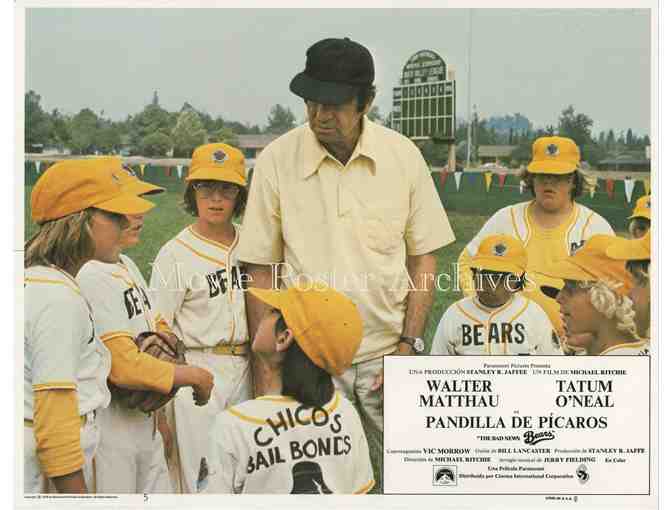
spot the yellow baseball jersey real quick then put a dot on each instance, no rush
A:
(276, 445)
(642, 348)
(517, 327)
(544, 247)
(119, 298)
(61, 348)
(198, 287)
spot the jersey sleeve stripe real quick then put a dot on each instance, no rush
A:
(199, 254)
(515, 224)
(366, 487)
(528, 224)
(59, 282)
(214, 243)
(115, 334)
(55, 385)
(521, 311)
(585, 226)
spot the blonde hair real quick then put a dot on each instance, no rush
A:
(613, 306)
(65, 242)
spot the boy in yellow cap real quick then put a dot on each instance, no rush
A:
(302, 436)
(551, 225)
(594, 299)
(198, 283)
(498, 319)
(637, 254)
(130, 456)
(640, 219)
(79, 207)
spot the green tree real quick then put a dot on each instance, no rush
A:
(224, 135)
(155, 145)
(38, 127)
(108, 137)
(188, 134)
(576, 126)
(83, 132)
(150, 120)
(280, 120)
(60, 133)
(375, 115)
(593, 153)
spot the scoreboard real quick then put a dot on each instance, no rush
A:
(423, 105)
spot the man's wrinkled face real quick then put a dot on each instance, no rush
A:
(335, 124)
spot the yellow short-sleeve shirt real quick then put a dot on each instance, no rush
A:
(350, 226)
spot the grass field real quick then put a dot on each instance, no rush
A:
(167, 219)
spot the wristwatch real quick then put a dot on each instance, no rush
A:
(417, 343)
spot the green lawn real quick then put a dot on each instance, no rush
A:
(168, 218)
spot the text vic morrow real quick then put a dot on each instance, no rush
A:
(478, 393)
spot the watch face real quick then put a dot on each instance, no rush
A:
(419, 345)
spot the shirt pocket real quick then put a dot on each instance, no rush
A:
(383, 230)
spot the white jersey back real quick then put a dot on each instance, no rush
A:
(518, 327)
(119, 298)
(275, 445)
(61, 347)
(197, 285)
(642, 348)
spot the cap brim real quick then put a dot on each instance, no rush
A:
(211, 173)
(551, 167)
(139, 188)
(630, 249)
(551, 292)
(567, 270)
(323, 92)
(496, 264)
(639, 214)
(273, 298)
(125, 203)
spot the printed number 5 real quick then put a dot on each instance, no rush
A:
(146, 498)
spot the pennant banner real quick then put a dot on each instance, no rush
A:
(522, 186)
(488, 180)
(169, 171)
(647, 186)
(142, 169)
(502, 178)
(179, 171)
(472, 178)
(458, 180)
(443, 177)
(629, 185)
(38, 164)
(610, 188)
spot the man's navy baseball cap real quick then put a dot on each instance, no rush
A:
(335, 70)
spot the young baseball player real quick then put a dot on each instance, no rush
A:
(640, 219)
(302, 436)
(637, 254)
(198, 284)
(130, 457)
(498, 319)
(552, 225)
(79, 207)
(595, 300)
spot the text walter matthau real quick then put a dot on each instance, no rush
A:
(478, 393)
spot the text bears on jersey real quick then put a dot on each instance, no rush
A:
(504, 332)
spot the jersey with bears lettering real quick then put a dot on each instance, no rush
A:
(276, 445)
(518, 327)
(642, 348)
(198, 288)
(61, 348)
(119, 298)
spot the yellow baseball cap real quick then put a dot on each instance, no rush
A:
(642, 208)
(554, 155)
(631, 249)
(501, 253)
(73, 185)
(326, 324)
(590, 263)
(217, 162)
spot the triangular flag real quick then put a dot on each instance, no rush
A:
(471, 177)
(443, 177)
(610, 188)
(169, 171)
(647, 186)
(592, 191)
(502, 178)
(458, 180)
(38, 164)
(488, 180)
(629, 185)
(142, 169)
(179, 171)
(522, 186)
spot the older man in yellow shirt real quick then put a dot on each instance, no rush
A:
(344, 202)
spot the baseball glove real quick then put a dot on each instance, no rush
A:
(163, 346)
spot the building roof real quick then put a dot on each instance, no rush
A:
(255, 141)
(495, 151)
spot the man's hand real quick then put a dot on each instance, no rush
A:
(72, 483)
(403, 349)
